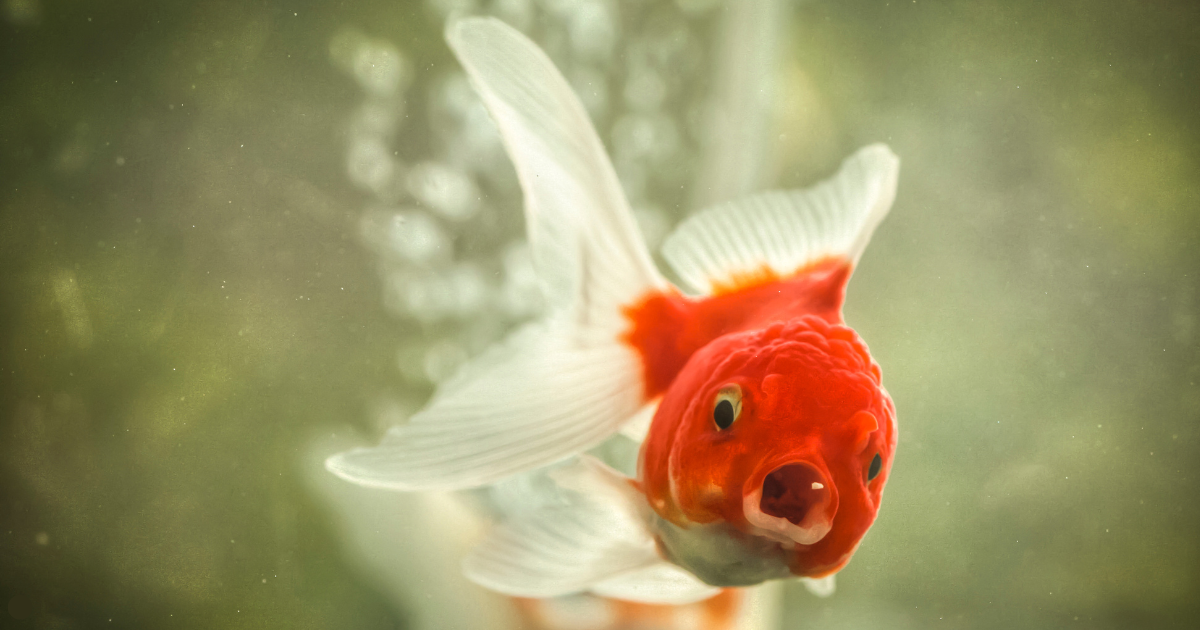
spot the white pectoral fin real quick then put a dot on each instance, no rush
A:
(659, 583)
(787, 230)
(821, 587)
(593, 534)
(541, 397)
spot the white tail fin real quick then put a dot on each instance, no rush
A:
(562, 385)
(786, 230)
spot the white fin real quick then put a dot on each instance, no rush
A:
(563, 385)
(593, 533)
(821, 587)
(637, 427)
(583, 235)
(661, 583)
(786, 230)
(539, 398)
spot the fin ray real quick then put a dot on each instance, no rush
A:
(659, 583)
(576, 212)
(786, 230)
(591, 531)
(561, 386)
(548, 399)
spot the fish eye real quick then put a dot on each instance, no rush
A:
(728, 406)
(876, 465)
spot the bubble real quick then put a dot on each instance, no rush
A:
(592, 30)
(344, 45)
(446, 190)
(430, 295)
(645, 136)
(672, 48)
(468, 137)
(369, 164)
(409, 235)
(443, 359)
(469, 290)
(417, 293)
(644, 89)
(453, 95)
(478, 144)
(380, 68)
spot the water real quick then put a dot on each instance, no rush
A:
(207, 287)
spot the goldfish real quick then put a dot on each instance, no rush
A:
(764, 434)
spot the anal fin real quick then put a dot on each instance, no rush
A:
(659, 583)
(592, 532)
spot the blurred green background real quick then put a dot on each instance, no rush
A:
(192, 307)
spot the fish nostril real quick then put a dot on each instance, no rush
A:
(791, 491)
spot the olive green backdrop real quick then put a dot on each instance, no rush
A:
(187, 304)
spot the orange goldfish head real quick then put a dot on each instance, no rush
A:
(778, 440)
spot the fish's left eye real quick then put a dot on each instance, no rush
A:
(728, 406)
(876, 466)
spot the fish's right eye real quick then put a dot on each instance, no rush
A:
(728, 406)
(876, 466)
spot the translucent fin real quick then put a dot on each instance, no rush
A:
(595, 534)
(541, 397)
(661, 583)
(582, 233)
(786, 230)
(561, 386)
(555, 552)
(821, 587)
(637, 427)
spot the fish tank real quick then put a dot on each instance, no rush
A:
(242, 238)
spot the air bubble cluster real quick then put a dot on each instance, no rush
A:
(443, 206)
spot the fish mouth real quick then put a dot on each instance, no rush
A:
(794, 504)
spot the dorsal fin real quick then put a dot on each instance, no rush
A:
(576, 214)
(784, 231)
